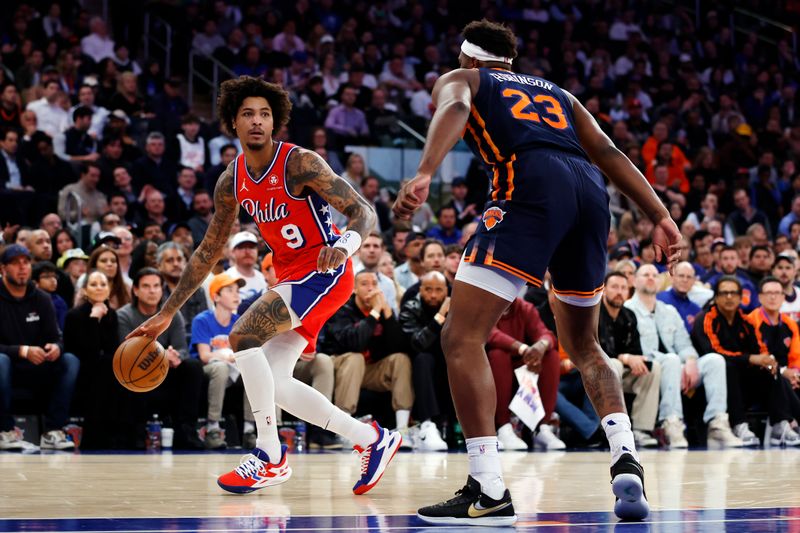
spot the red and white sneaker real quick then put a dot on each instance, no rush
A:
(256, 472)
(376, 457)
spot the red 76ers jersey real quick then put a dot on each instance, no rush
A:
(295, 228)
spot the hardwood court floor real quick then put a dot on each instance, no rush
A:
(732, 490)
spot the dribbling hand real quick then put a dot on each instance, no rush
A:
(411, 196)
(152, 327)
(666, 241)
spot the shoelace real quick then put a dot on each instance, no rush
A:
(250, 465)
(364, 455)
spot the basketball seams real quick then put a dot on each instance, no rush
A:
(127, 363)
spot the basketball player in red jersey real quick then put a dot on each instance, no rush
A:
(289, 192)
(548, 211)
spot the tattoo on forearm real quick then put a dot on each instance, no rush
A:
(265, 319)
(306, 169)
(210, 250)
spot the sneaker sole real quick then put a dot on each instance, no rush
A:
(781, 442)
(236, 489)
(363, 489)
(630, 504)
(492, 521)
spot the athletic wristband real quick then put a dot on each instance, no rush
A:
(522, 349)
(350, 242)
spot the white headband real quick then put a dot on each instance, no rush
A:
(476, 52)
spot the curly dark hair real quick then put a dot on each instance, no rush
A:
(492, 37)
(233, 92)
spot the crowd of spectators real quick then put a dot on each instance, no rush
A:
(708, 114)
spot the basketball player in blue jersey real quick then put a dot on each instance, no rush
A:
(548, 209)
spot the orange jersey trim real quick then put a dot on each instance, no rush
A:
(486, 135)
(508, 268)
(510, 175)
(580, 294)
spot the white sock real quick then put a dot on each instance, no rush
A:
(353, 430)
(249, 427)
(212, 424)
(484, 465)
(260, 388)
(401, 416)
(620, 437)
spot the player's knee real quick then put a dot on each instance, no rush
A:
(243, 341)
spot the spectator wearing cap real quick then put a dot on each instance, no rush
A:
(465, 213)
(210, 344)
(180, 233)
(106, 238)
(179, 395)
(93, 202)
(171, 262)
(446, 230)
(785, 271)
(73, 263)
(31, 352)
(620, 252)
(86, 98)
(45, 277)
(79, 146)
(244, 256)
(407, 274)
(347, 123)
(153, 168)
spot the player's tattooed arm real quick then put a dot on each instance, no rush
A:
(306, 170)
(211, 248)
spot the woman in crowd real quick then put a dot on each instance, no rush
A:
(105, 260)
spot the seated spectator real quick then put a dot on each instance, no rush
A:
(452, 259)
(73, 263)
(743, 217)
(355, 170)
(50, 115)
(124, 251)
(202, 206)
(244, 257)
(750, 369)
(347, 123)
(521, 338)
(683, 280)
(86, 98)
(91, 332)
(760, 264)
(153, 168)
(368, 346)
(370, 189)
(144, 255)
(171, 262)
(729, 266)
(665, 340)
(619, 337)
(209, 343)
(465, 213)
(369, 256)
(407, 273)
(180, 203)
(40, 247)
(185, 377)
(79, 145)
(422, 318)
(386, 267)
(791, 217)
(93, 202)
(105, 260)
(45, 277)
(31, 353)
(14, 171)
(432, 258)
(181, 234)
(154, 207)
(98, 45)
(780, 334)
(785, 271)
(223, 157)
(152, 231)
(191, 147)
(446, 231)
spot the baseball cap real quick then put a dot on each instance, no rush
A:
(786, 256)
(105, 236)
(458, 181)
(12, 252)
(414, 236)
(243, 237)
(176, 225)
(621, 251)
(744, 130)
(327, 38)
(120, 114)
(69, 255)
(223, 280)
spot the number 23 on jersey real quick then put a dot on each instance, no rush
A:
(522, 109)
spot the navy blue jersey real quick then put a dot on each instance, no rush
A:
(512, 116)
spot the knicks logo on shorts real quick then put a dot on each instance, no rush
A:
(492, 217)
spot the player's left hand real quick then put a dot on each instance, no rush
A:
(330, 258)
(666, 240)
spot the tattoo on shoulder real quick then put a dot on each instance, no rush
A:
(307, 170)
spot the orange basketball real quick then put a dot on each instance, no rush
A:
(140, 364)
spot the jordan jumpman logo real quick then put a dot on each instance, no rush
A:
(244, 186)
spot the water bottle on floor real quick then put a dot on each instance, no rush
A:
(153, 441)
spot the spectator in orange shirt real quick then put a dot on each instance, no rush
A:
(659, 145)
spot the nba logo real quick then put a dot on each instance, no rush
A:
(273, 180)
(482, 449)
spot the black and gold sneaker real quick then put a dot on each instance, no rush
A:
(627, 482)
(471, 507)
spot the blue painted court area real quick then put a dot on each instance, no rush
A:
(727, 520)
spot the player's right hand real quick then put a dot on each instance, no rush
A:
(411, 196)
(666, 241)
(152, 327)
